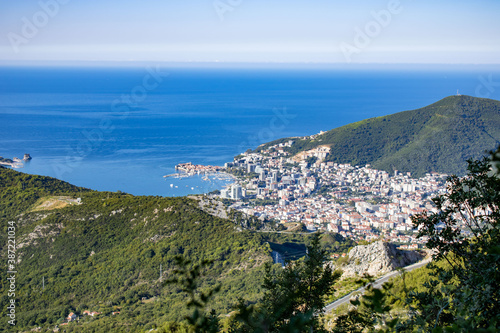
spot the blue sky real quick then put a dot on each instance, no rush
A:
(322, 31)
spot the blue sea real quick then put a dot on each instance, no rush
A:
(124, 128)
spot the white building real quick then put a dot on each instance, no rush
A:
(236, 192)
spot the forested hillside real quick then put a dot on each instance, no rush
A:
(439, 137)
(83, 250)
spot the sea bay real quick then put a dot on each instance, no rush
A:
(125, 128)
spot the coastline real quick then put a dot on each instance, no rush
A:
(15, 165)
(15, 162)
(189, 170)
(215, 175)
(127, 160)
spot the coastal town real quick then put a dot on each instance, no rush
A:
(358, 202)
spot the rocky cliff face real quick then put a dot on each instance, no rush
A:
(378, 258)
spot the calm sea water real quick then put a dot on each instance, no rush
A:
(124, 128)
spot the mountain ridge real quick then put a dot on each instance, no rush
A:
(112, 252)
(437, 138)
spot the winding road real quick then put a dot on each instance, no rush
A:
(376, 284)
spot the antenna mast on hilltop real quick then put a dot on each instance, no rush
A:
(458, 93)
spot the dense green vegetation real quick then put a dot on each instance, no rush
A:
(293, 299)
(19, 191)
(439, 137)
(471, 297)
(105, 254)
(457, 293)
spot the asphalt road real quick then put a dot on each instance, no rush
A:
(376, 284)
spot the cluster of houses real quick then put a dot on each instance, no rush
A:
(358, 202)
(74, 317)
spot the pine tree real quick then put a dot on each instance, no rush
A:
(294, 298)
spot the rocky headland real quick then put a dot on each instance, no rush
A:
(378, 258)
(15, 162)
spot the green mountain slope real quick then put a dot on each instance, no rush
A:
(439, 137)
(104, 254)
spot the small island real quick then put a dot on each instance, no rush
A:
(15, 162)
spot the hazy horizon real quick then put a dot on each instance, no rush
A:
(240, 31)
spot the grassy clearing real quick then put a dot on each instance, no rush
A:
(52, 202)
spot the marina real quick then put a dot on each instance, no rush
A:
(191, 168)
(199, 178)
